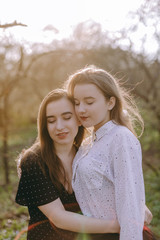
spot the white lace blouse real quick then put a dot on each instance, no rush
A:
(108, 179)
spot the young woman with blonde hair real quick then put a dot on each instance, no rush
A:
(107, 170)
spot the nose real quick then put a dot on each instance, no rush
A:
(80, 108)
(59, 124)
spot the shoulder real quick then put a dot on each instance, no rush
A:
(127, 148)
(122, 135)
(30, 160)
(123, 132)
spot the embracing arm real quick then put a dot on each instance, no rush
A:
(37, 185)
(75, 222)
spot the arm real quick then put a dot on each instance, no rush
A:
(34, 185)
(75, 222)
(129, 186)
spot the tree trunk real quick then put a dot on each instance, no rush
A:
(5, 140)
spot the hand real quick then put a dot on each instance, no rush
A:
(148, 216)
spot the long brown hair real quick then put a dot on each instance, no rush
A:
(125, 111)
(45, 145)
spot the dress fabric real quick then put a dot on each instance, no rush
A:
(35, 190)
(108, 179)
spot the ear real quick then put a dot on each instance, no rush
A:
(111, 103)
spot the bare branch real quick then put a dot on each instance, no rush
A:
(15, 23)
(21, 73)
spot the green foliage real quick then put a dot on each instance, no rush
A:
(14, 218)
(11, 228)
(150, 138)
(19, 138)
(152, 187)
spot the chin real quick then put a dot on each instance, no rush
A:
(87, 125)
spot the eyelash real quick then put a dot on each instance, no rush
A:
(77, 104)
(66, 118)
(51, 121)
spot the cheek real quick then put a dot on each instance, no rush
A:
(75, 126)
(50, 129)
(76, 111)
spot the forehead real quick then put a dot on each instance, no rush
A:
(86, 90)
(59, 106)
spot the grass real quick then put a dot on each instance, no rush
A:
(14, 218)
(152, 187)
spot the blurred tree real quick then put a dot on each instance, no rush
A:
(6, 88)
(15, 66)
(142, 62)
(9, 80)
(143, 58)
(89, 35)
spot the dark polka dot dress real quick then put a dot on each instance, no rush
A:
(35, 190)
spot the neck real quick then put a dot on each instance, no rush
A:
(66, 152)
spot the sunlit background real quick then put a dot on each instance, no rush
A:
(47, 19)
(41, 44)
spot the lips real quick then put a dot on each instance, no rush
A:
(83, 118)
(62, 135)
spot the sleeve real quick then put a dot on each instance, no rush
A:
(129, 186)
(34, 188)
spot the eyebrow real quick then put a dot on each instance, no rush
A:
(63, 114)
(86, 98)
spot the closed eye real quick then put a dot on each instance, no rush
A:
(90, 103)
(51, 120)
(67, 116)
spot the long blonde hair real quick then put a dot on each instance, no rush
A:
(125, 111)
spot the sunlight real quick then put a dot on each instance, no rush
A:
(63, 16)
